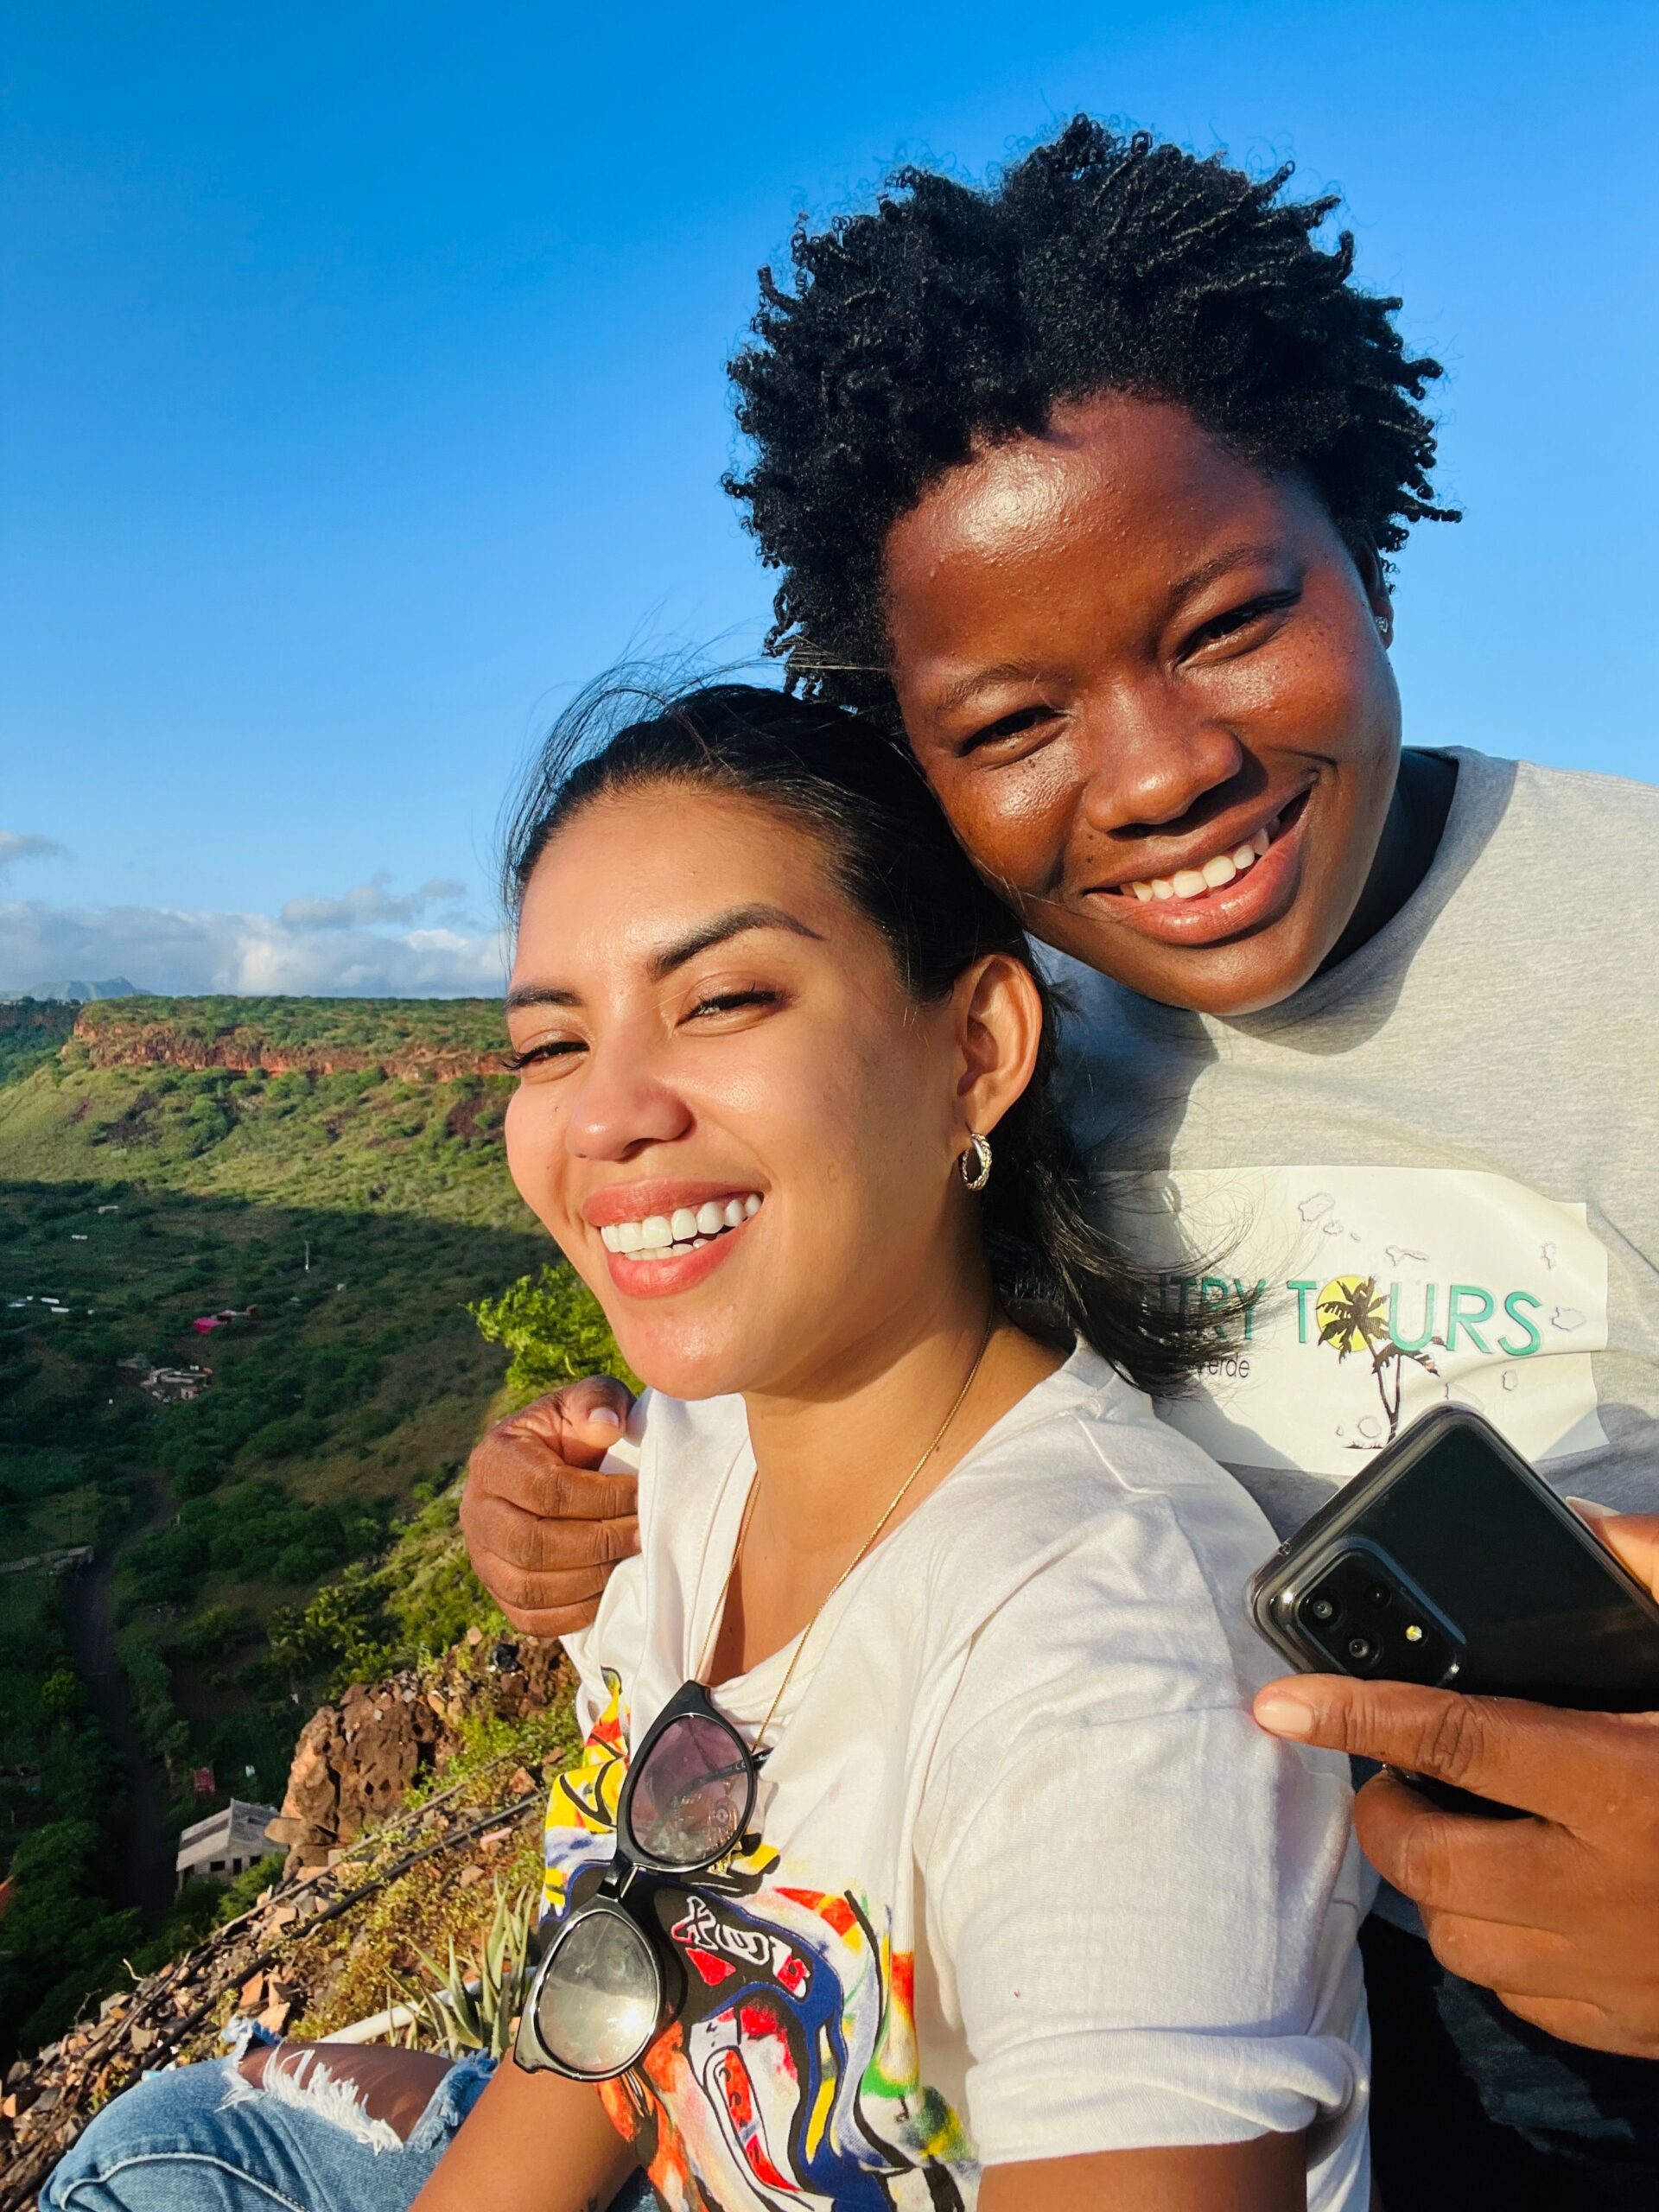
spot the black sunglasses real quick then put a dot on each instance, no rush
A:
(606, 1984)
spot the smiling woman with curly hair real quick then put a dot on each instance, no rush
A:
(950, 318)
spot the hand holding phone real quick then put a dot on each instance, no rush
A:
(1558, 1914)
(1450, 1563)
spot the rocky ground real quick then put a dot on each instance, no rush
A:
(411, 1806)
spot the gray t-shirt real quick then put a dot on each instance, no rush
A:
(1433, 1174)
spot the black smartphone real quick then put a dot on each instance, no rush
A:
(1450, 1562)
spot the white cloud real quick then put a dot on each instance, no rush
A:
(369, 904)
(342, 947)
(25, 845)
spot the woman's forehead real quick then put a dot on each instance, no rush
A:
(647, 866)
(1136, 480)
(1050, 542)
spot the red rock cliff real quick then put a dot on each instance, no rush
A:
(159, 1044)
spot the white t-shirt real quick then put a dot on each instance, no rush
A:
(1023, 1879)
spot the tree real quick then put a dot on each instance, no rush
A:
(552, 1325)
(1353, 1317)
(342, 1635)
(61, 1694)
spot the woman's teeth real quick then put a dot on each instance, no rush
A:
(688, 1229)
(1192, 882)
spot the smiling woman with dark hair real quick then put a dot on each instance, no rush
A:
(910, 1540)
(921, 1851)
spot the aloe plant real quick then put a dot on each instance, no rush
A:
(473, 2004)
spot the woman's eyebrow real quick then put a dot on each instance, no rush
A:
(540, 994)
(966, 688)
(1236, 556)
(733, 923)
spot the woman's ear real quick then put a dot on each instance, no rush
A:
(999, 1012)
(1375, 582)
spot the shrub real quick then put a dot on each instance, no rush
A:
(552, 1324)
(343, 1635)
(61, 1694)
(214, 1631)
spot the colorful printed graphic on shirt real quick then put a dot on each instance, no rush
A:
(582, 1804)
(1371, 1294)
(790, 2075)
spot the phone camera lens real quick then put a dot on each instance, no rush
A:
(1322, 1610)
(1362, 1651)
(1377, 1595)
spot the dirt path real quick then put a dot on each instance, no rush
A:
(144, 1876)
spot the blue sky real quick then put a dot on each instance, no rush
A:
(361, 392)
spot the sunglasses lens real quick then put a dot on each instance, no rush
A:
(599, 1998)
(692, 1793)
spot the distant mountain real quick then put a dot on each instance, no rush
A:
(112, 987)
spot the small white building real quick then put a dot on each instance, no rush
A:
(225, 1844)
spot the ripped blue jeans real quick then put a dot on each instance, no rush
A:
(204, 2139)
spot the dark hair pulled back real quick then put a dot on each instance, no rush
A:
(895, 855)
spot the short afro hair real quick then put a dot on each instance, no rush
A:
(949, 315)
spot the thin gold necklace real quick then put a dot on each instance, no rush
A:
(858, 1557)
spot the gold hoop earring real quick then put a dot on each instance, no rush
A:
(979, 1151)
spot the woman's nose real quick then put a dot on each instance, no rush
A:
(619, 1106)
(1149, 765)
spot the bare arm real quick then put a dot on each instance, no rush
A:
(532, 2143)
(1268, 2174)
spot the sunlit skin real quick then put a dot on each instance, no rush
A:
(784, 1059)
(1120, 650)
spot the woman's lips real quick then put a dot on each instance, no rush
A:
(1262, 894)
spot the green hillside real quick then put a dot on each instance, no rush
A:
(349, 1104)
(331, 1173)
(31, 1030)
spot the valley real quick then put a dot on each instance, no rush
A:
(302, 1200)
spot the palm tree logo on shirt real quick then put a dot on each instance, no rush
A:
(1353, 1317)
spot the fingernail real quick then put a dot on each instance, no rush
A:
(1282, 1714)
(605, 1417)
(1588, 1508)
